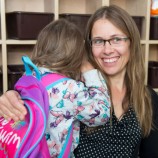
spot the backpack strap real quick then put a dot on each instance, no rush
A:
(66, 150)
(27, 64)
(49, 80)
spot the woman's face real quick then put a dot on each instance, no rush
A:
(112, 58)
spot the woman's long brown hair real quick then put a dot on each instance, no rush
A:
(137, 93)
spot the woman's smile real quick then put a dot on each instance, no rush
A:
(111, 60)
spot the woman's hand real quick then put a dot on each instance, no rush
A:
(11, 106)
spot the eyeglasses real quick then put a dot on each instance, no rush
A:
(116, 41)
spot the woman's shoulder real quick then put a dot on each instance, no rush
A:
(154, 98)
(154, 95)
(148, 146)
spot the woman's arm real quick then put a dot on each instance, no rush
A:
(11, 106)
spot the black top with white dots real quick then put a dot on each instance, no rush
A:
(122, 140)
(110, 141)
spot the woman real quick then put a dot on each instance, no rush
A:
(112, 41)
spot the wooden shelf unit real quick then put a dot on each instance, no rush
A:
(150, 47)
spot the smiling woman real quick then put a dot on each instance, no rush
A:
(115, 49)
(113, 55)
(112, 43)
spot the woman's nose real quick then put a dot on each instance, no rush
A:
(107, 48)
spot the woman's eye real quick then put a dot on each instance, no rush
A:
(98, 41)
(117, 39)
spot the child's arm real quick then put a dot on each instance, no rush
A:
(93, 103)
(11, 106)
(86, 66)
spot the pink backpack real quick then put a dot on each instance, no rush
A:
(26, 139)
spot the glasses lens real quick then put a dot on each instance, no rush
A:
(116, 41)
(97, 42)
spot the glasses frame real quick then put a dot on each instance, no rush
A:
(108, 40)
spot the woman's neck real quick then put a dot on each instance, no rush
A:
(118, 91)
(117, 82)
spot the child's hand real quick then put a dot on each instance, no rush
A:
(86, 66)
(11, 106)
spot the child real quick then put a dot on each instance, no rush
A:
(60, 49)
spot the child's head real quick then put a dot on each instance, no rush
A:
(60, 47)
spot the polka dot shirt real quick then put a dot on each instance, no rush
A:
(117, 139)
